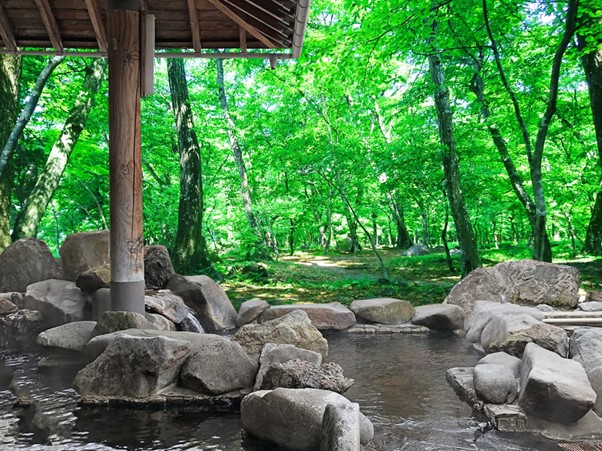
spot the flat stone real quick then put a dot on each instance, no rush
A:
(250, 311)
(281, 353)
(69, 337)
(588, 428)
(83, 251)
(383, 310)
(333, 316)
(439, 316)
(506, 417)
(341, 428)
(59, 301)
(294, 328)
(586, 347)
(382, 329)
(303, 374)
(553, 388)
(24, 262)
(592, 306)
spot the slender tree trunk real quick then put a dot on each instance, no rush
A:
(592, 66)
(403, 240)
(449, 156)
(48, 181)
(448, 258)
(10, 81)
(245, 191)
(189, 252)
(33, 98)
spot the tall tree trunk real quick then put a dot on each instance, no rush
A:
(592, 66)
(245, 191)
(449, 157)
(48, 181)
(10, 82)
(189, 253)
(403, 239)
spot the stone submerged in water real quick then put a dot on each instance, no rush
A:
(333, 316)
(295, 328)
(554, 388)
(292, 418)
(383, 310)
(341, 428)
(439, 316)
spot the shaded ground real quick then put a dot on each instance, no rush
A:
(322, 278)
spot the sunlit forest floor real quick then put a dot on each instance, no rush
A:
(317, 277)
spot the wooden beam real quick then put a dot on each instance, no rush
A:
(50, 24)
(99, 29)
(125, 160)
(147, 54)
(6, 32)
(259, 17)
(194, 26)
(243, 39)
(242, 23)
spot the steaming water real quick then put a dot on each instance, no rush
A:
(399, 384)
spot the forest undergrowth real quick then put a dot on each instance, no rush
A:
(318, 277)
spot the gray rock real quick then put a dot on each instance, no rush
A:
(218, 367)
(250, 310)
(554, 388)
(302, 374)
(511, 333)
(591, 306)
(158, 268)
(115, 321)
(333, 316)
(341, 428)
(593, 296)
(292, 418)
(83, 251)
(482, 284)
(417, 249)
(504, 359)
(69, 337)
(595, 378)
(94, 279)
(160, 322)
(484, 311)
(172, 307)
(439, 316)
(294, 328)
(383, 310)
(24, 262)
(14, 297)
(496, 384)
(20, 329)
(7, 307)
(101, 302)
(133, 367)
(208, 300)
(545, 308)
(281, 353)
(59, 301)
(586, 347)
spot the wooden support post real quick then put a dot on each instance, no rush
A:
(125, 162)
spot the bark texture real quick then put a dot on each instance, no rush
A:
(189, 253)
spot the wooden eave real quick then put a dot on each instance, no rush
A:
(195, 28)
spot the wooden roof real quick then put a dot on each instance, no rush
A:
(199, 26)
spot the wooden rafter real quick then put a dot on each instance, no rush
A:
(278, 13)
(243, 39)
(50, 24)
(6, 32)
(99, 30)
(243, 23)
(194, 25)
(262, 20)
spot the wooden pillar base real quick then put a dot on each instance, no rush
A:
(125, 296)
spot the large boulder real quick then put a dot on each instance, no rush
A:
(303, 374)
(294, 328)
(280, 353)
(83, 251)
(292, 418)
(218, 367)
(554, 388)
(19, 330)
(133, 367)
(69, 337)
(383, 310)
(439, 316)
(115, 321)
(511, 333)
(59, 301)
(158, 268)
(593, 296)
(172, 307)
(208, 300)
(94, 279)
(520, 282)
(484, 311)
(24, 262)
(496, 378)
(333, 316)
(250, 311)
(417, 249)
(586, 347)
